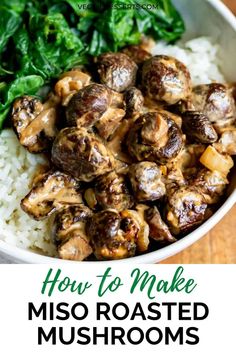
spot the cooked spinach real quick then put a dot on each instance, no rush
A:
(41, 39)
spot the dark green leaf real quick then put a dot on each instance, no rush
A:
(9, 23)
(19, 87)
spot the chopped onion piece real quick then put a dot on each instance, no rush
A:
(215, 161)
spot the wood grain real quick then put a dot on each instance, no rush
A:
(231, 4)
(219, 245)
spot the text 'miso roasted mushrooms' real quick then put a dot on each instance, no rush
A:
(69, 232)
(198, 127)
(50, 193)
(154, 137)
(34, 123)
(146, 181)
(110, 192)
(81, 154)
(166, 79)
(215, 100)
(117, 235)
(117, 71)
(186, 208)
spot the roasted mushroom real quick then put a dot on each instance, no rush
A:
(110, 192)
(227, 142)
(81, 154)
(154, 137)
(198, 127)
(96, 105)
(115, 235)
(166, 79)
(158, 230)
(146, 181)
(134, 102)
(69, 232)
(186, 208)
(109, 122)
(211, 184)
(137, 54)
(214, 100)
(69, 83)
(50, 193)
(117, 71)
(34, 124)
(88, 105)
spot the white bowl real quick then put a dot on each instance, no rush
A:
(202, 17)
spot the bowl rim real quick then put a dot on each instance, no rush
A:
(28, 256)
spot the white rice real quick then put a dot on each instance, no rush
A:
(17, 166)
(199, 55)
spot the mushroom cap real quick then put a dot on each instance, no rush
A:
(117, 71)
(166, 79)
(81, 154)
(117, 235)
(186, 208)
(215, 100)
(154, 137)
(146, 181)
(34, 123)
(50, 193)
(111, 192)
(112, 237)
(88, 105)
(69, 232)
(198, 127)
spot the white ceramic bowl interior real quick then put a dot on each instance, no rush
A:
(202, 17)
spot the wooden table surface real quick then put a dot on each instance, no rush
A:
(219, 245)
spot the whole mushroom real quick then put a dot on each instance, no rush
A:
(69, 232)
(165, 79)
(198, 127)
(88, 105)
(115, 235)
(186, 208)
(111, 192)
(50, 193)
(96, 105)
(81, 154)
(154, 137)
(146, 181)
(211, 184)
(34, 123)
(215, 100)
(117, 71)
